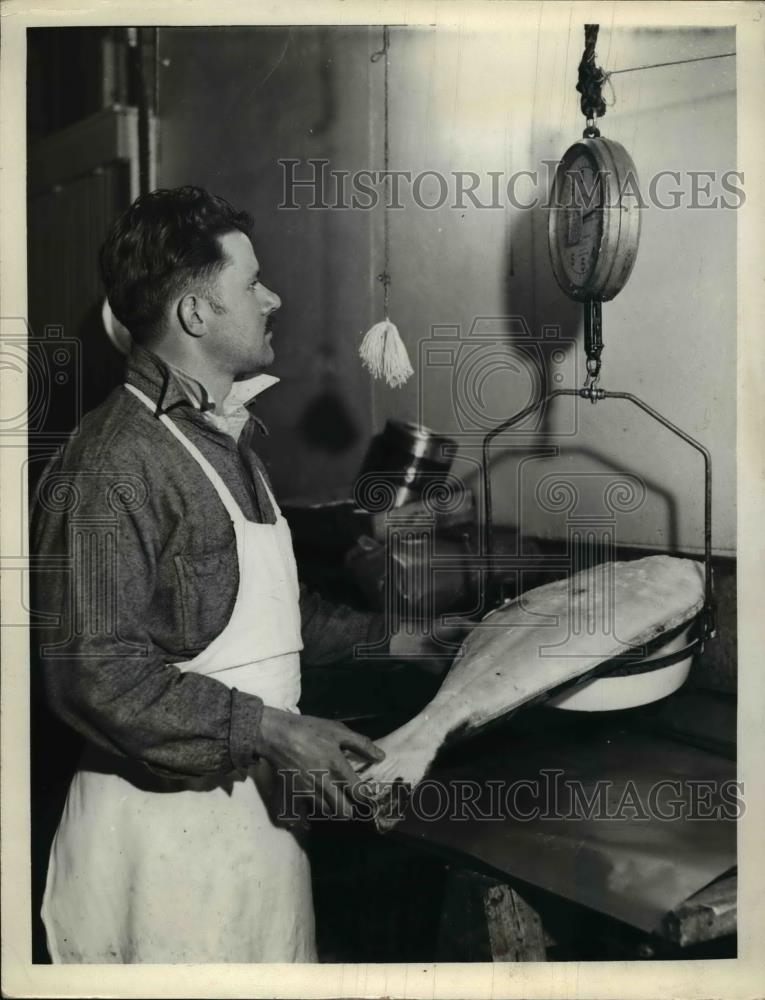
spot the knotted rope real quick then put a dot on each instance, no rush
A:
(591, 79)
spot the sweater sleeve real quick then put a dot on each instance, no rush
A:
(101, 672)
(332, 632)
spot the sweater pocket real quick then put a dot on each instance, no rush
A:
(208, 582)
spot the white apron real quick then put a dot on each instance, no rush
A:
(148, 869)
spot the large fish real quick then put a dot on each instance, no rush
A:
(546, 637)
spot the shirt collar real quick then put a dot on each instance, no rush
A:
(231, 416)
(242, 392)
(171, 387)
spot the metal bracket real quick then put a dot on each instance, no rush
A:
(707, 615)
(593, 346)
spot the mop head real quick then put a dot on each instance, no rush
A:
(384, 354)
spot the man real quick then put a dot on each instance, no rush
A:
(178, 622)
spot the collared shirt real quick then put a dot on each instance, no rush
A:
(139, 572)
(233, 413)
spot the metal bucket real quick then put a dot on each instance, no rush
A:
(407, 457)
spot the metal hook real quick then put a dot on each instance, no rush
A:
(592, 131)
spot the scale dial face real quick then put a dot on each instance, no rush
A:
(594, 224)
(582, 194)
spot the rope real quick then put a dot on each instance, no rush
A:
(385, 276)
(382, 350)
(591, 77)
(606, 76)
(677, 62)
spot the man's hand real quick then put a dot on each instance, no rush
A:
(313, 749)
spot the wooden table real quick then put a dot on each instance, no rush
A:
(708, 915)
(521, 891)
(486, 919)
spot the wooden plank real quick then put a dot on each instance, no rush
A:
(483, 920)
(515, 929)
(709, 914)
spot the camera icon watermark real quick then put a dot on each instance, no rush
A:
(494, 369)
(45, 375)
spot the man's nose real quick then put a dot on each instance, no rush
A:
(271, 301)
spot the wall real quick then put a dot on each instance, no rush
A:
(233, 102)
(465, 101)
(671, 334)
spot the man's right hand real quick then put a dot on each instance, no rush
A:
(313, 749)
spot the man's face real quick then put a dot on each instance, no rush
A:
(242, 333)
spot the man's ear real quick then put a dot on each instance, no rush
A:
(190, 315)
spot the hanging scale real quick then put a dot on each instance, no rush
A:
(593, 236)
(594, 222)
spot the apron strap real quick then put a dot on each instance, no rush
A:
(228, 501)
(271, 497)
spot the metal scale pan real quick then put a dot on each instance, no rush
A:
(660, 667)
(593, 238)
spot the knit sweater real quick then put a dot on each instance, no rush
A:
(137, 572)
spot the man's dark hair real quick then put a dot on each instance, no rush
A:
(165, 241)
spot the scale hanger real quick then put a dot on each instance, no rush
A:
(593, 347)
(609, 232)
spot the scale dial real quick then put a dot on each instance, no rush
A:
(594, 223)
